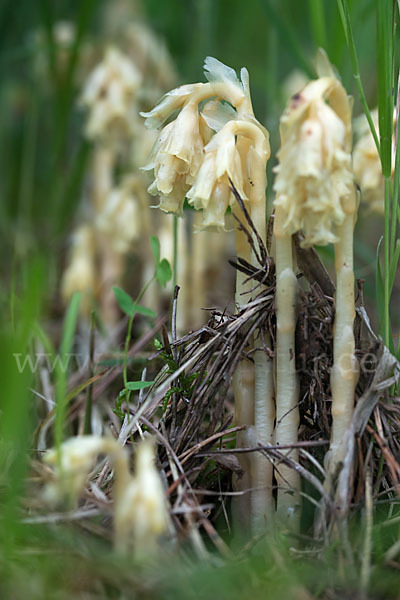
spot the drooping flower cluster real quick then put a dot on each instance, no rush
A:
(72, 466)
(109, 96)
(142, 514)
(140, 508)
(314, 183)
(177, 155)
(202, 151)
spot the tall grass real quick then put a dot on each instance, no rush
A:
(387, 73)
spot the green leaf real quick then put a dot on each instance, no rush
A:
(163, 272)
(155, 248)
(124, 301)
(138, 385)
(129, 307)
(69, 324)
(143, 310)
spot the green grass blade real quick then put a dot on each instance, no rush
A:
(348, 31)
(67, 341)
(384, 41)
(317, 19)
(47, 18)
(287, 33)
(393, 266)
(16, 422)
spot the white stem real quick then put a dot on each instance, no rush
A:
(198, 275)
(182, 278)
(344, 373)
(264, 399)
(243, 391)
(264, 415)
(287, 412)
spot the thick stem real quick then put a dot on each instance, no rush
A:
(264, 415)
(201, 247)
(264, 393)
(243, 391)
(287, 412)
(344, 373)
(182, 266)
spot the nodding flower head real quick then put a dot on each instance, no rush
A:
(109, 95)
(314, 182)
(184, 143)
(142, 509)
(211, 190)
(176, 158)
(169, 103)
(230, 158)
(72, 466)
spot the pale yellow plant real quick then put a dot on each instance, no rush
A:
(315, 194)
(80, 274)
(140, 507)
(216, 142)
(109, 96)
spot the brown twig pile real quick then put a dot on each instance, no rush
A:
(189, 409)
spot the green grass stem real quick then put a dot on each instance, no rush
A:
(348, 31)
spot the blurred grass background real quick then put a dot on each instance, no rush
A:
(44, 155)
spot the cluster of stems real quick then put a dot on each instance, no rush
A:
(215, 141)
